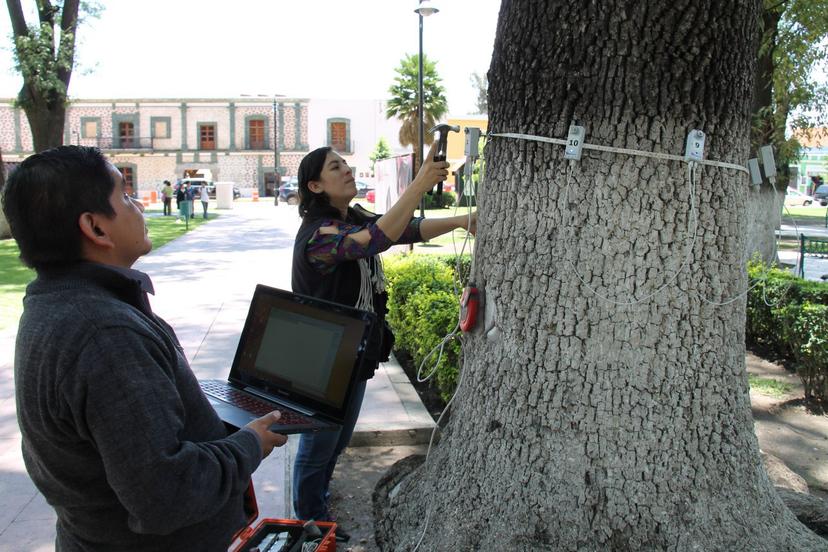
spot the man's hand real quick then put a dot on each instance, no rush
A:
(268, 439)
(431, 172)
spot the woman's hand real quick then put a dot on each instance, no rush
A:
(431, 172)
(470, 223)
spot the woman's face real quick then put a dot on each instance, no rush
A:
(336, 180)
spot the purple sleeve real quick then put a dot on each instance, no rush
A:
(325, 251)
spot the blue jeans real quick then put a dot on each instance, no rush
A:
(316, 460)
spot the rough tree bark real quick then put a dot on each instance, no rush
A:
(580, 423)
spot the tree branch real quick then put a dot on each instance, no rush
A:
(45, 12)
(776, 5)
(17, 20)
(68, 28)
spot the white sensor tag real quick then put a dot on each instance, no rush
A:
(694, 150)
(574, 142)
(755, 175)
(768, 163)
(472, 141)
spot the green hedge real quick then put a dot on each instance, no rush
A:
(423, 308)
(445, 199)
(784, 313)
(790, 317)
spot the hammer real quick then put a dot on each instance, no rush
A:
(444, 129)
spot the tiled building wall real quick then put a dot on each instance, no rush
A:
(241, 169)
(7, 128)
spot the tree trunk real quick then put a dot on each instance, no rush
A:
(764, 217)
(764, 205)
(581, 422)
(5, 231)
(46, 118)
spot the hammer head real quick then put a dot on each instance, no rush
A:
(443, 129)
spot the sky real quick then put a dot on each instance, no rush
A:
(297, 48)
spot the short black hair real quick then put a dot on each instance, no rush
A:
(310, 168)
(45, 196)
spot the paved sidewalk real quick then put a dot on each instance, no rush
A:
(203, 285)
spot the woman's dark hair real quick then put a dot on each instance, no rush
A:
(45, 196)
(310, 203)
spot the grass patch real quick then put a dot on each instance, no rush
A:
(804, 215)
(14, 276)
(163, 230)
(769, 386)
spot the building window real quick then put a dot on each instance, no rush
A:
(129, 179)
(126, 135)
(339, 137)
(160, 127)
(256, 134)
(207, 137)
(89, 128)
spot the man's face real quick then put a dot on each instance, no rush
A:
(126, 228)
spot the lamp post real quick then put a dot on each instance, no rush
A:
(423, 10)
(277, 177)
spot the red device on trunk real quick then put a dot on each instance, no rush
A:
(469, 304)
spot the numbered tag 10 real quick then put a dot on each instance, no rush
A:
(574, 142)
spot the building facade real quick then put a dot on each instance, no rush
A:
(244, 140)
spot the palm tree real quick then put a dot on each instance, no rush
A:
(404, 102)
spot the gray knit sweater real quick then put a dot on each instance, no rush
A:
(116, 433)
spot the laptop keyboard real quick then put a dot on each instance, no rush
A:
(250, 403)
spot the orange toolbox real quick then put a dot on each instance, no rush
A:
(282, 535)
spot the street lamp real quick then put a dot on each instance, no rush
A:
(423, 10)
(276, 176)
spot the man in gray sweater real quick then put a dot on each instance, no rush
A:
(117, 434)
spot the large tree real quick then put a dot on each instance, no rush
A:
(604, 403)
(45, 55)
(404, 101)
(794, 41)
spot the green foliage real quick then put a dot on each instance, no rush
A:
(790, 317)
(39, 64)
(404, 101)
(423, 309)
(382, 151)
(794, 43)
(444, 200)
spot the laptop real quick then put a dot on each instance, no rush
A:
(296, 354)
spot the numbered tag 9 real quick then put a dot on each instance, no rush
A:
(694, 151)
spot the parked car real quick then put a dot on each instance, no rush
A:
(288, 192)
(362, 189)
(821, 194)
(794, 198)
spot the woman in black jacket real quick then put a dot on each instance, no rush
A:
(336, 257)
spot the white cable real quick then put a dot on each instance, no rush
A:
(428, 452)
(460, 372)
(691, 169)
(640, 153)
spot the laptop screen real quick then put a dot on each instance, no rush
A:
(300, 348)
